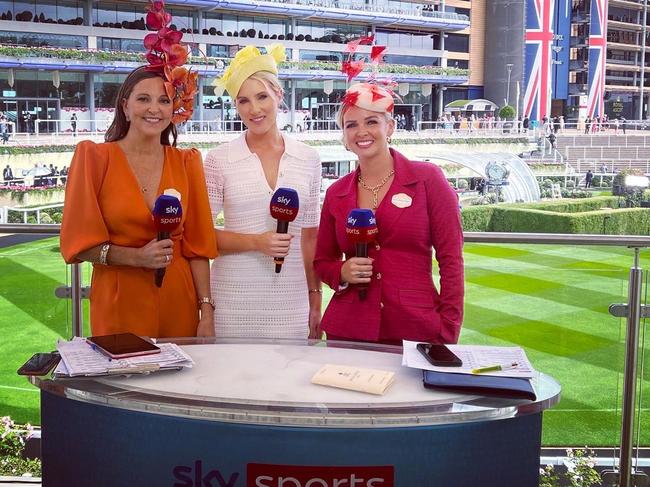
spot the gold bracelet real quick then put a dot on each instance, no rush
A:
(207, 300)
(319, 291)
(103, 254)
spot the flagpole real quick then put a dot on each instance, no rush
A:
(643, 43)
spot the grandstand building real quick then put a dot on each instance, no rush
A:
(59, 57)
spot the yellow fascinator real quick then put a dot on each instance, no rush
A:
(247, 62)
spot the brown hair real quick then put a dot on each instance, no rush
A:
(120, 126)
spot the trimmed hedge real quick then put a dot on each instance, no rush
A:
(477, 218)
(511, 218)
(41, 149)
(574, 205)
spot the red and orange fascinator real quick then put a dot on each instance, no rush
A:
(167, 54)
(373, 95)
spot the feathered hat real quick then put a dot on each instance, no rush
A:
(247, 62)
(373, 95)
(167, 54)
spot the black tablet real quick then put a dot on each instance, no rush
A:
(122, 345)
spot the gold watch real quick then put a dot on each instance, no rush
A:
(207, 299)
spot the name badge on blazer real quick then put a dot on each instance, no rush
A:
(401, 200)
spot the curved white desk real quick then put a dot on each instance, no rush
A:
(247, 415)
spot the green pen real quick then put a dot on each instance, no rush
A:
(494, 368)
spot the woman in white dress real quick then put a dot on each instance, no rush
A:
(242, 175)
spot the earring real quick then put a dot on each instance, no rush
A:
(347, 148)
(388, 140)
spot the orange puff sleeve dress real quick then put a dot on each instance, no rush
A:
(104, 203)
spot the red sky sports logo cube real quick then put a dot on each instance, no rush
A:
(262, 475)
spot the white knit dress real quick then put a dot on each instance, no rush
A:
(251, 299)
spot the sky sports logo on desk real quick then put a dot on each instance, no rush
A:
(264, 475)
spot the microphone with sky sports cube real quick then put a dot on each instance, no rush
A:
(284, 208)
(361, 230)
(167, 216)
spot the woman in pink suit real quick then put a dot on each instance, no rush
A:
(416, 211)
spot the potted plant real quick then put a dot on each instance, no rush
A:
(13, 464)
(507, 113)
(579, 471)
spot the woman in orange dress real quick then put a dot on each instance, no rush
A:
(110, 194)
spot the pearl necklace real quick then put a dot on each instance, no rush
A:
(375, 189)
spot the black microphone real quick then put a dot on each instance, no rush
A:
(284, 208)
(361, 230)
(167, 216)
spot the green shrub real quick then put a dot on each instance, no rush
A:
(573, 206)
(526, 218)
(46, 219)
(12, 445)
(507, 112)
(477, 218)
(576, 193)
(521, 220)
(570, 184)
(618, 183)
(463, 184)
(547, 183)
(624, 221)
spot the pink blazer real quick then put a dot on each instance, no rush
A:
(402, 300)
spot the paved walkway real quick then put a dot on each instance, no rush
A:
(8, 240)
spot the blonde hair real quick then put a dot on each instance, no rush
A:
(271, 83)
(344, 108)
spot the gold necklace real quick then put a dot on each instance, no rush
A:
(375, 189)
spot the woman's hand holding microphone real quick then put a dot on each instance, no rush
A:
(357, 270)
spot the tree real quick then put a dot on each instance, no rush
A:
(507, 112)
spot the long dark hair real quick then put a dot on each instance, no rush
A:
(120, 126)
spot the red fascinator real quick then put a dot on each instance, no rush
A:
(166, 54)
(375, 95)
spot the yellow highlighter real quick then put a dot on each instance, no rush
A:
(495, 368)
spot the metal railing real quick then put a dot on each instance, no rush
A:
(417, 11)
(4, 212)
(61, 131)
(634, 311)
(614, 166)
(477, 127)
(55, 129)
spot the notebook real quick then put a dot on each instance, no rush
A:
(485, 385)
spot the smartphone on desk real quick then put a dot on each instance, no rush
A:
(439, 355)
(122, 345)
(40, 364)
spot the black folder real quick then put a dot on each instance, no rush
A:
(485, 385)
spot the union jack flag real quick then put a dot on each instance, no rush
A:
(597, 54)
(539, 40)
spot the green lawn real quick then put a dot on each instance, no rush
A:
(552, 300)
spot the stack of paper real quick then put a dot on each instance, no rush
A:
(474, 357)
(80, 358)
(472, 377)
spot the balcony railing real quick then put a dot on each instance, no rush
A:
(117, 61)
(351, 10)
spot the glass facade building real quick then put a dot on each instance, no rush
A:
(63, 46)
